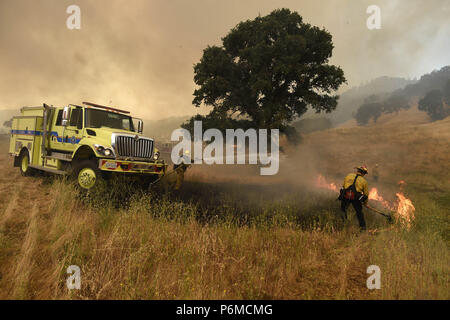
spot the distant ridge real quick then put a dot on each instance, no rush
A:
(382, 88)
(350, 100)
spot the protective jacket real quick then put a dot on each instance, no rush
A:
(361, 184)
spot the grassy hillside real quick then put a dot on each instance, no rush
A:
(232, 234)
(351, 99)
(403, 145)
(380, 89)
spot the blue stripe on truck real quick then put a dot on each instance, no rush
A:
(73, 139)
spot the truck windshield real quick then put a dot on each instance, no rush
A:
(99, 118)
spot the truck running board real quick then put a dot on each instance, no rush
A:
(48, 169)
(60, 156)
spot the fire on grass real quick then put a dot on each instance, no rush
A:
(403, 206)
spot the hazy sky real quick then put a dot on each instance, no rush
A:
(139, 54)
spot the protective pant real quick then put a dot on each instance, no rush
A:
(358, 208)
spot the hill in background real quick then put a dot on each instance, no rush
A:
(430, 81)
(380, 89)
(351, 100)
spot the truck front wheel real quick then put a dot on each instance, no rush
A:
(87, 173)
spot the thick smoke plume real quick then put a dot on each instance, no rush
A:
(139, 54)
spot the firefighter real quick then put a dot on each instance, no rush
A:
(181, 168)
(355, 190)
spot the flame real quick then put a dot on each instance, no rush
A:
(405, 210)
(322, 183)
(373, 195)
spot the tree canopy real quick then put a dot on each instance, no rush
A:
(373, 107)
(368, 111)
(395, 103)
(446, 92)
(433, 104)
(268, 71)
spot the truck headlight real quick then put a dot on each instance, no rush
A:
(107, 152)
(156, 155)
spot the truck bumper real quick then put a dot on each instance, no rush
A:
(112, 165)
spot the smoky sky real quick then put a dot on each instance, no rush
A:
(140, 54)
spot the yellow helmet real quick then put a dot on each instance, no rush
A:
(362, 169)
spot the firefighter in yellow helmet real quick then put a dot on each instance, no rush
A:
(355, 190)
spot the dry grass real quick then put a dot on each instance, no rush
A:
(416, 151)
(222, 240)
(130, 254)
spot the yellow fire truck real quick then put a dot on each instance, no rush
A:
(85, 141)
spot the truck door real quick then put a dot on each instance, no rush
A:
(66, 138)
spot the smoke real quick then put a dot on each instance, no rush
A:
(298, 169)
(139, 55)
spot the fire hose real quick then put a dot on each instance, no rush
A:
(388, 216)
(179, 170)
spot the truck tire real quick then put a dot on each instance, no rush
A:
(24, 164)
(87, 174)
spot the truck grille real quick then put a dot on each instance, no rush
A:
(127, 146)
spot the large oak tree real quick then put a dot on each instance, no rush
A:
(268, 71)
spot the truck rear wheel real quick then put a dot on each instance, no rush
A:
(24, 164)
(87, 174)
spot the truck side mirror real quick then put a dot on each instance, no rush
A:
(140, 127)
(65, 116)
